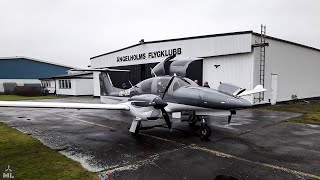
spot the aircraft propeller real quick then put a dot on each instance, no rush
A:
(148, 100)
(166, 90)
(164, 112)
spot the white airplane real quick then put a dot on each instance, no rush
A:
(155, 97)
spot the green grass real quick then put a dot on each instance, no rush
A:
(17, 98)
(33, 160)
(310, 111)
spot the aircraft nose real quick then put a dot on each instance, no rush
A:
(239, 103)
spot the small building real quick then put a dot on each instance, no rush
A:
(246, 59)
(25, 71)
(78, 84)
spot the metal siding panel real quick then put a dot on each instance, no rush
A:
(297, 68)
(27, 69)
(234, 69)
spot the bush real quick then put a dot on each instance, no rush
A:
(9, 87)
(30, 91)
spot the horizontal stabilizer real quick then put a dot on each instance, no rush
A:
(26, 104)
(257, 89)
(101, 70)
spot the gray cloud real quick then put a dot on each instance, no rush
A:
(72, 31)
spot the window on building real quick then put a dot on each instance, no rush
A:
(65, 84)
(45, 83)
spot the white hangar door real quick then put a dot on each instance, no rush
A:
(235, 69)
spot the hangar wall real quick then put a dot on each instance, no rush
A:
(83, 87)
(297, 68)
(296, 65)
(25, 68)
(148, 52)
(27, 71)
(67, 91)
(236, 69)
(202, 46)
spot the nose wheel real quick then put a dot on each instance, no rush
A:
(205, 131)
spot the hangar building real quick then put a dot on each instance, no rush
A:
(246, 59)
(25, 71)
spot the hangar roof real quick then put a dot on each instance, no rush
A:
(20, 67)
(206, 36)
(34, 59)
(84, 75)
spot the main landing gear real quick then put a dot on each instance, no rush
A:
(205, 130)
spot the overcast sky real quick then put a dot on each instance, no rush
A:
(72, 31)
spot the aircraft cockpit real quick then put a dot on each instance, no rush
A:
(158, 84)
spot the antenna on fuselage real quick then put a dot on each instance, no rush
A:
(153, 72)
(130, 83)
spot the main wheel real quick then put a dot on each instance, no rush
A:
(205, 131)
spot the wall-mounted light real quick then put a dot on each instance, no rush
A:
(217, 65)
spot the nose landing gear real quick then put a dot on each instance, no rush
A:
(205, 130)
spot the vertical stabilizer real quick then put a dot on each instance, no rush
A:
(106, 86)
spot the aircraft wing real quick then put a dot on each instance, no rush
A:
(27, 104)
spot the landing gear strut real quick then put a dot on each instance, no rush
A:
(205, 130)
(135, 127)
(193, 119)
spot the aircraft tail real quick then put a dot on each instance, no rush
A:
(237, 91)
(106, 86)
(259, 88)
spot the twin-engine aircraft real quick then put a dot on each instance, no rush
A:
(160, 95)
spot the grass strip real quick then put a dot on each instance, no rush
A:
(33, 160)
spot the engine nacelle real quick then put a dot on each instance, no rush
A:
(145, 113)
(146, 106)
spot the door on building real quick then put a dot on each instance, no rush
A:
(274, 88)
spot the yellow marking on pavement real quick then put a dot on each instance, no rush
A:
(163, 139)
(88, 122)
(217, 153)
(95, 124)
(291, 171)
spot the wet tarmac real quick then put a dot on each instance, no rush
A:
(258, 144)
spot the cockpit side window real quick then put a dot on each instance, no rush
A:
(146, 85)
(179, 83)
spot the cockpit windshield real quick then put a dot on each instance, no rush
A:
(178, 83)
(146, 85)
(159, 84)
(162, 83)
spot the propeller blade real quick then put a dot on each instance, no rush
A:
(170, 57)
(166, 118)
(165, 91)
